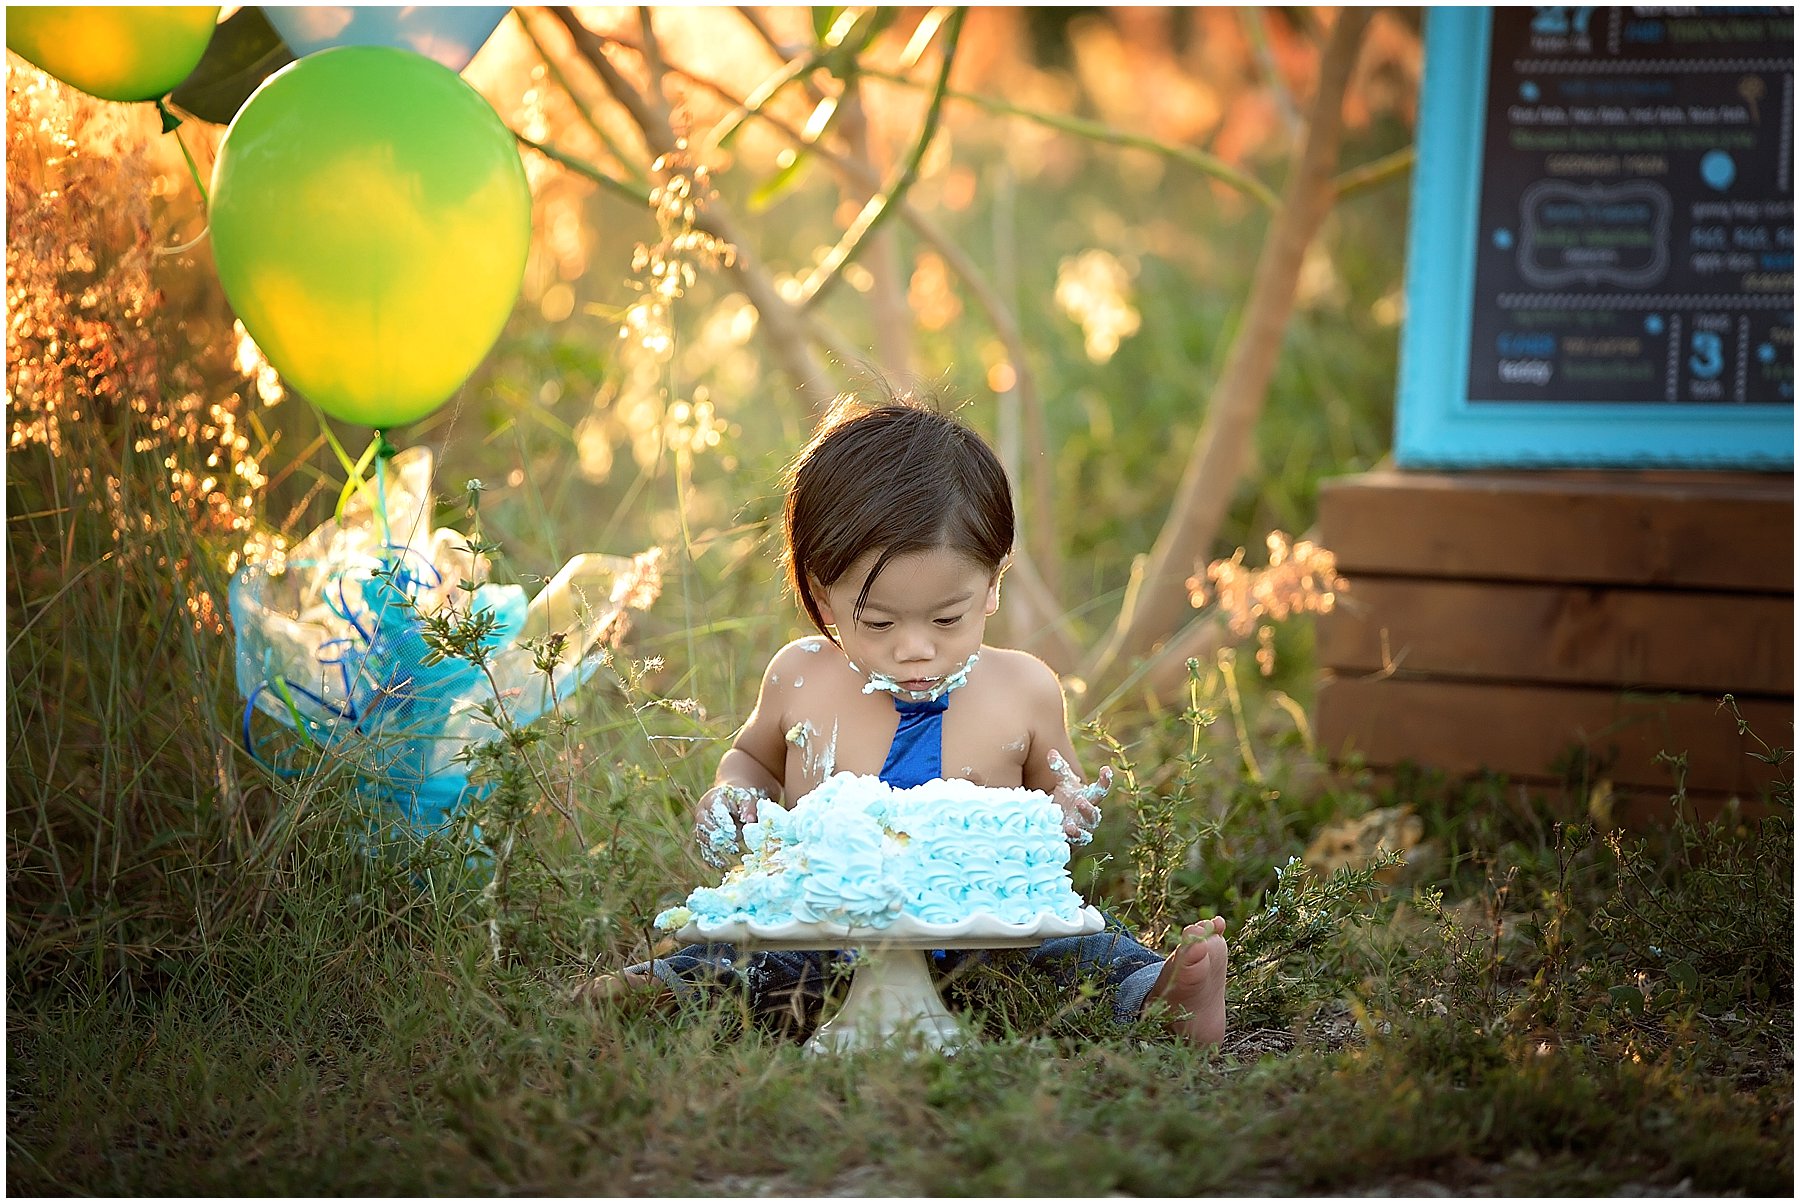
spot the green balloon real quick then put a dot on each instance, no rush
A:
(370, 221)
(115, 53)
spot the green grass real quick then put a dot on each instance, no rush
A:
(1618, 1021)
(354, 1062)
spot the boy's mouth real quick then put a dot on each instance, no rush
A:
(920, 689)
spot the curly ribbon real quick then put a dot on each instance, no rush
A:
(397, 693)
(334, 644)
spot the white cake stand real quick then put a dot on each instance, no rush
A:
(892, 997)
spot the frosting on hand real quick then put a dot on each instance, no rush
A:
(1080, 803)
(718, 828)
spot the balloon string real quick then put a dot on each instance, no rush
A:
(186, 246)
(381, 514)
(172, 125)
(355, 471)
(285, 691)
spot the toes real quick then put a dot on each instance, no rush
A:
(1202, 931)
(613, 986)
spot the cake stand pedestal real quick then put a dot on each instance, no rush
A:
(892, 998)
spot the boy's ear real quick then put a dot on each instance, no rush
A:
(822, 601)
(993, 598)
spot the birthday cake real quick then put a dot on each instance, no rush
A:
(859, 853)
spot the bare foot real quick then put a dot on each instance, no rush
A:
(1192, 984)
(618, 988)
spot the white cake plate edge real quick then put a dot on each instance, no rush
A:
(979, 931)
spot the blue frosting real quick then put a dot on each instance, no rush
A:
(857, 851)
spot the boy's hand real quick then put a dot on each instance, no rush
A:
(722, 813)
(1080, 803)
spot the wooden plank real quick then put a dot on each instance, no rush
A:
(1526, 732)
(1637, 808)
(1704, 642)
(1640, 808)
(1719, 531)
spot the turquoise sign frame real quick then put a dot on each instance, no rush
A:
(1438, 423)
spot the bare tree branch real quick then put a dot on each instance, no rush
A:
(881, 206)
(1158, 604)
(1375, 173)
(790, 337)
(889, 317)
(1253, 22)
(755, 21)
(581, 167)
(1094, 131)
(584, 111)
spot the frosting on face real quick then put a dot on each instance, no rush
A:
(880, 681)
(857, 851)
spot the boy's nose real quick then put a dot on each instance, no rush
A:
(914, 648)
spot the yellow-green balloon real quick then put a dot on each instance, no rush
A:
(370, 221)
(121, 53)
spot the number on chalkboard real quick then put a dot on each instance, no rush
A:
(1562, 19)
(1708, 358)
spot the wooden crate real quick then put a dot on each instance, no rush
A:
(1562, 628)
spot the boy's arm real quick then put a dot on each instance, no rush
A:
(1050, 764)
(757, 759)
(749, 772)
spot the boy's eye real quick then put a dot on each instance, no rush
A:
(951, 621)
(877, 624)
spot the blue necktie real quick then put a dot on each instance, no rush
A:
(917, 754)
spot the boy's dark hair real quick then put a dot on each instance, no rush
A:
(901, 476)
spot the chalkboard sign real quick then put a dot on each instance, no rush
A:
(1601, 261)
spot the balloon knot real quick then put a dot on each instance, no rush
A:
(386, 450)
(169, 120)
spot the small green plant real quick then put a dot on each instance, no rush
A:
(1783, 793)
(1294, 952)
(1159, 845)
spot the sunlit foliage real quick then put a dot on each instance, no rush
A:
(90, 341)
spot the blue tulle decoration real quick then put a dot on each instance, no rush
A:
(331, 645)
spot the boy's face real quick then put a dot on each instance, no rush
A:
(924, 618)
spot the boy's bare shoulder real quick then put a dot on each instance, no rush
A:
(794, 658)
(1022, 673)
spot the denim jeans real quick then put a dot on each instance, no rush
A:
(785, 989)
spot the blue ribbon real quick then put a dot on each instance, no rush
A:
(397, 693)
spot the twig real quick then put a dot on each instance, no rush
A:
(582, 167)
(790, 338)
(1094, 131)
(752, 105)
(1252, 20)
(1216, 462)
(1040, 540)
(881, 206)
(1374, 173)
(888, 311)
(755, 21)
(587, 117)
